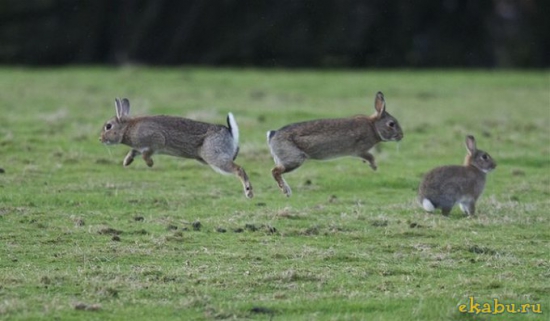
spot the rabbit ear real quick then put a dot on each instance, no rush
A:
(380, 104)
(471, 144)
(122, 107)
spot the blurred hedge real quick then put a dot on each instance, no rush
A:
(290, 33)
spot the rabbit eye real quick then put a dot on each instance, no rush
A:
(108, 126)
(484, 157)
(391, 124)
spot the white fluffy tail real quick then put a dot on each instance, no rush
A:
(233, 128)
(427, 205)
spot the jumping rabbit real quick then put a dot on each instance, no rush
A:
(331, 138)
(215, 145)
(445, 186)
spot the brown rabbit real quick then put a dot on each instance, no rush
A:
(445, 186)
(211, 144)
(330, 138)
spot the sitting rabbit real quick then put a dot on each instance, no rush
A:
(445, 186)
(330, 138)
(211, 144)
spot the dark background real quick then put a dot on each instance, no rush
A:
(283, 33)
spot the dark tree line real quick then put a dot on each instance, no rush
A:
(291, 33)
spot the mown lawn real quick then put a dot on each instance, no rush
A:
(82, 238)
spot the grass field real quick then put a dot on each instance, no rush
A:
(82, 238)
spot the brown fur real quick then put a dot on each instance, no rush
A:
(211, 144)
(445, 186)
(330, 138)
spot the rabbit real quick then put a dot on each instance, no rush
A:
(445, 186)
(324, 139)
(211, 144)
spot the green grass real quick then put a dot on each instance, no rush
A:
(82, 238)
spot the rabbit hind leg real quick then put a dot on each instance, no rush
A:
(284, 166)
(230, 167)
(287, 157)
(241, 174)
(277, 173)
(219, 151)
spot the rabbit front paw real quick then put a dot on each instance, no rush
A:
(129, 157)
(372, 165)
(368, 157)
